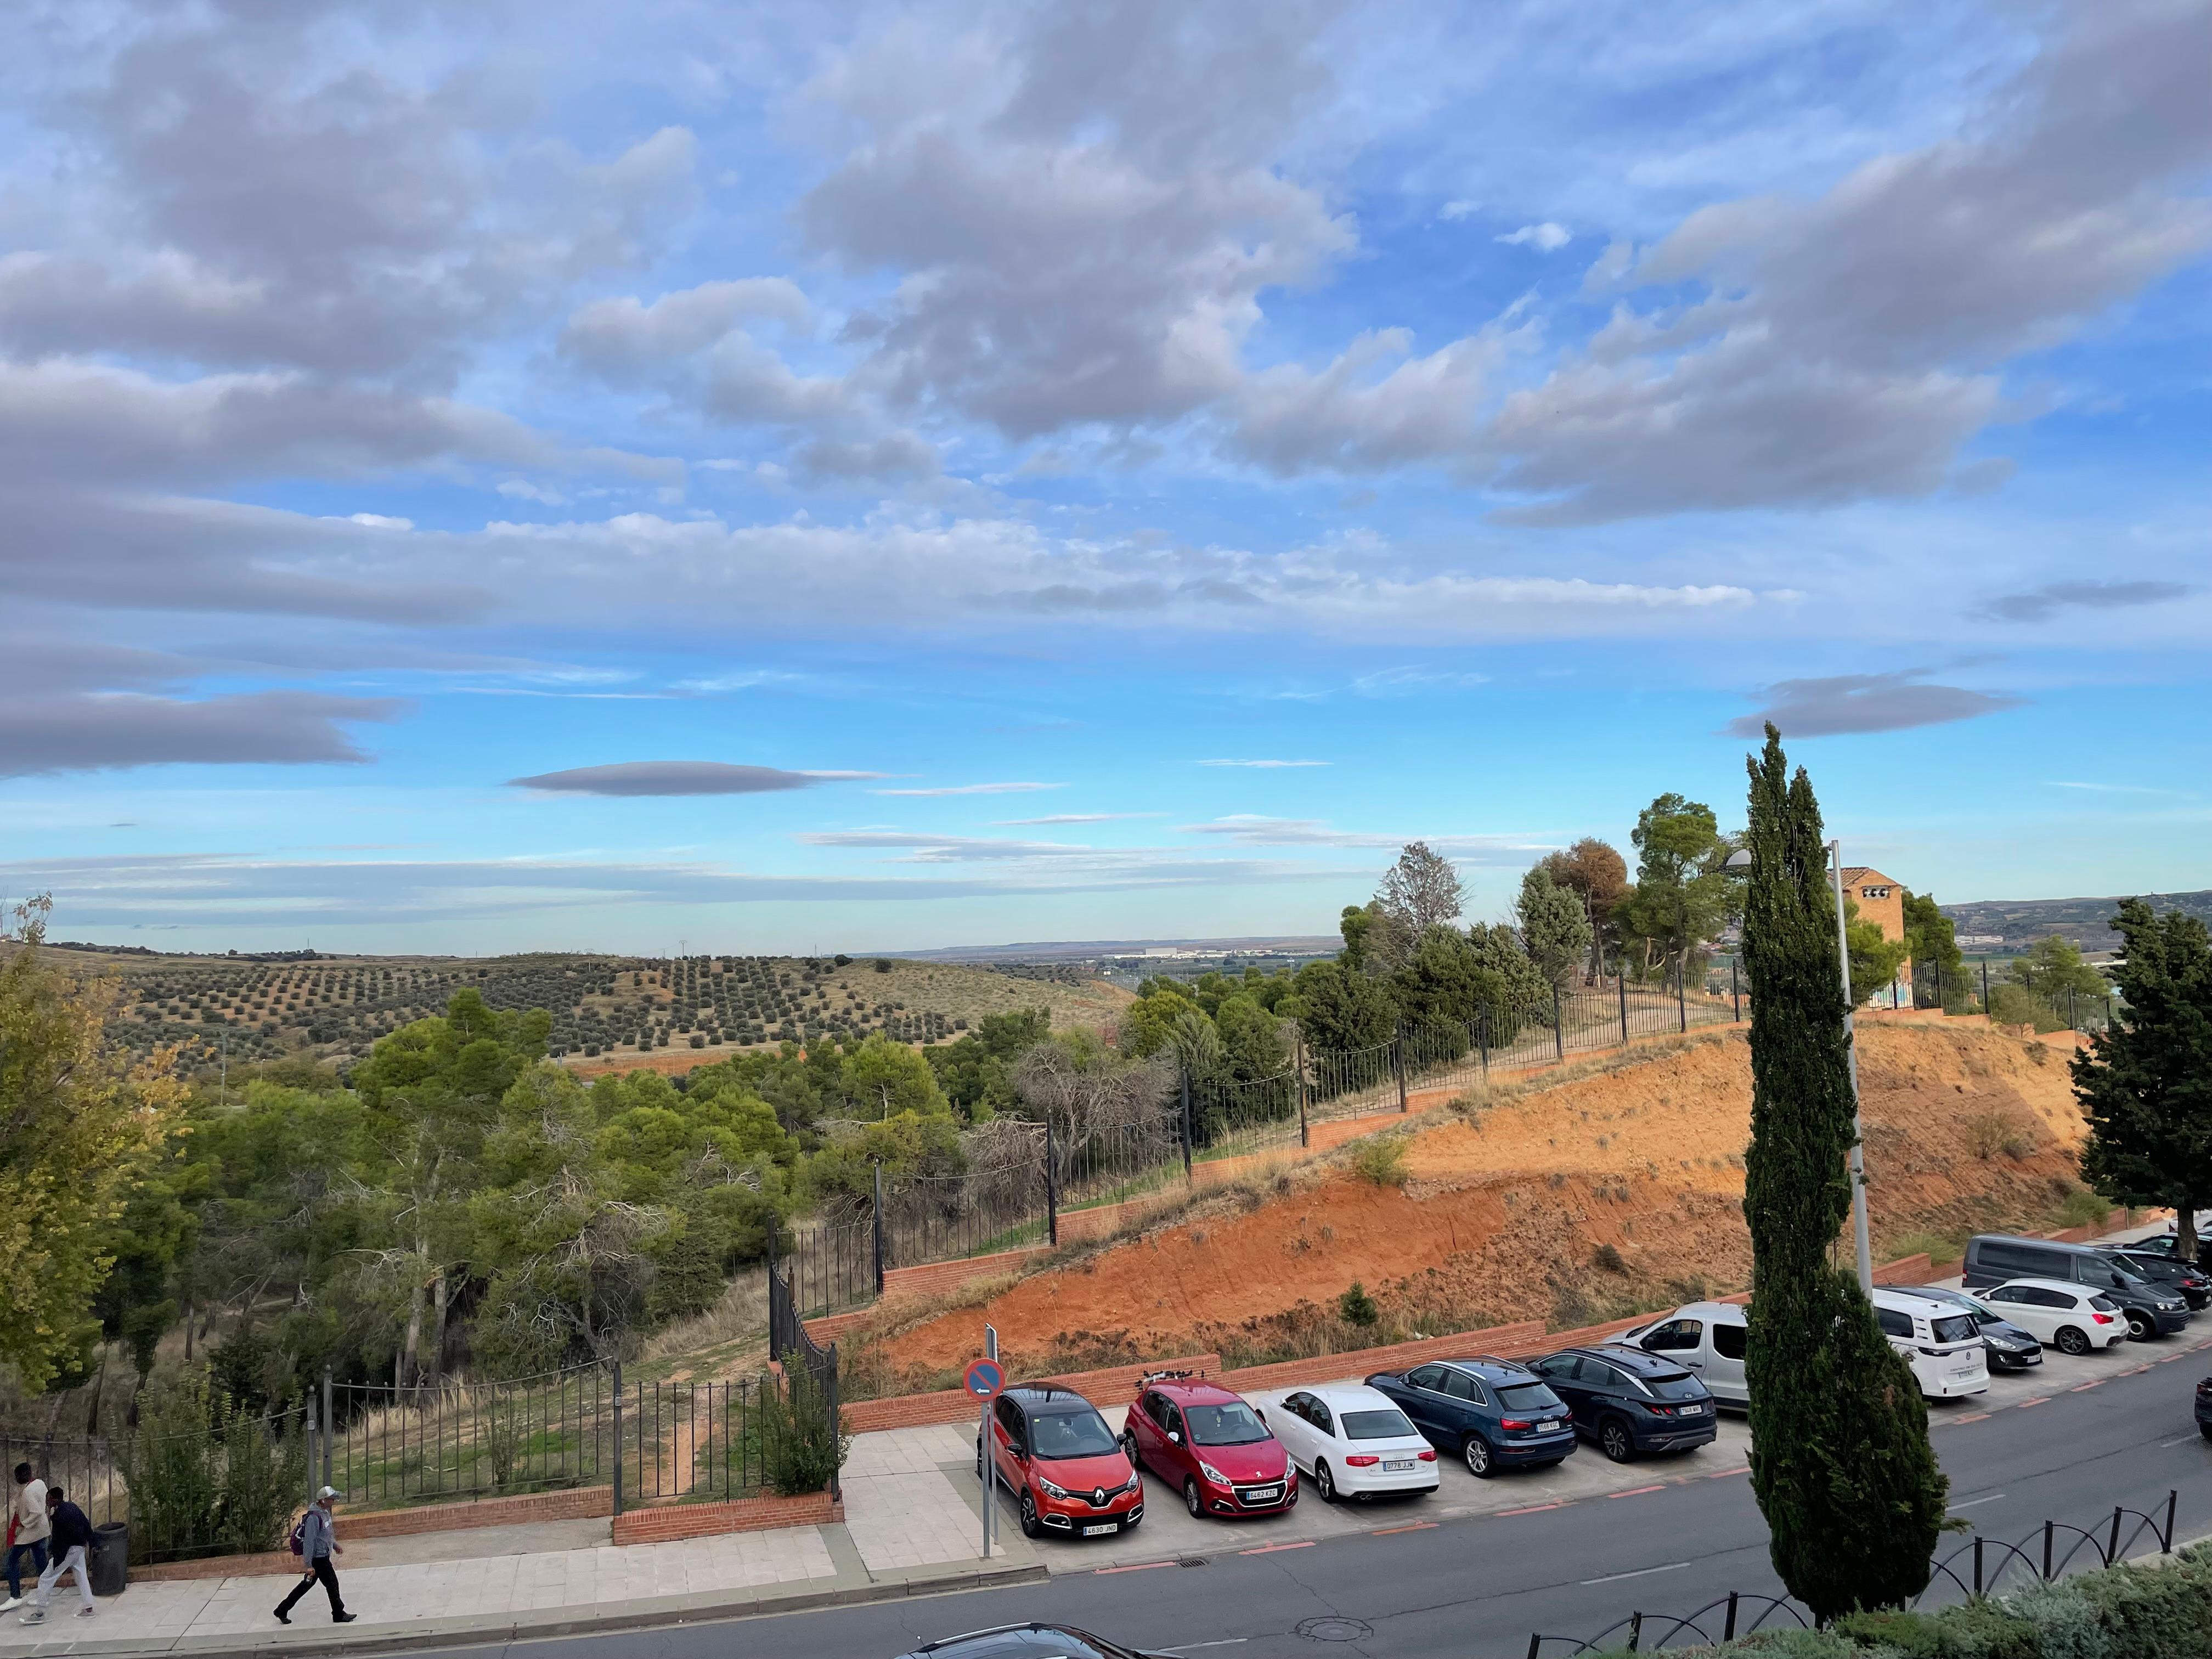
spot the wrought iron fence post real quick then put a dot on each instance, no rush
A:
(1398, 1061)
(1482, 1038)
(1559, 1028)
(1978, 1564)
(311, 1448)
(619, 1457)
(1620, 984)
(1299, 1059)
(1051, 1187)
(330, 1421)
(1727, 1632)
(2112, 1555)
(1986, 989)
(2165, 1538)
(876, 1228)
(1939, 984)
(2049, 1528)
(1635, 1630)
(836, 1426)
(1735, 992)
(1535, 1644)
(1681, 992)
(1182, 1078)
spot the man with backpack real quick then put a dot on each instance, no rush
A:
(28, 1528)
(314, 1540)
(72, 1547)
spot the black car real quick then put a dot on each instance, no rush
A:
(2168, 1273)
(2204, 1408)
(2007, 1347)
(1631, 1401)
(1031, 1641)
(1491, 1414)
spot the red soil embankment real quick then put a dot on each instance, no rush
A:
(1638, 1168)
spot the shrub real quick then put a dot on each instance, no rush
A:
(1381, 1161)
(1991, 1133)
(882, 964)
(1356, 1307)
(1606, 1259)
(800, 1447)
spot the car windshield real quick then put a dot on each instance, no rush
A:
(1675, 1385)
(1224, 1426)
(1070, 1434)
(1528, 1397)
(1954, 1328)
(1376, 1425)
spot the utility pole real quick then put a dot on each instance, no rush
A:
(1859, 1237)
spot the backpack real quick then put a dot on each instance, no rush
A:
(299, 1539)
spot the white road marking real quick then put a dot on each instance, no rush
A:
(2184, 1441)
(1971, 1502)
(1641, 1572)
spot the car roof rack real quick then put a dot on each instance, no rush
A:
(1487, 1359)
(1167, 1376)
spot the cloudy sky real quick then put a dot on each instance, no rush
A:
(781, 477)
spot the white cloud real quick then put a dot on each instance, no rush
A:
(1546, 238)
(1458, 209)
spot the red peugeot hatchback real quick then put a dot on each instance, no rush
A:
(1051, 1449)
(1209, 1444)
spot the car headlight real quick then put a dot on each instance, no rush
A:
(1135, 1483)
(1050, 1489)
(1212, 1473)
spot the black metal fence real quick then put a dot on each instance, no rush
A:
(1979, 1566)
(381, 1445)
(789, 1338)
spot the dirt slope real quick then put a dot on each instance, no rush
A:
(1601, 1194)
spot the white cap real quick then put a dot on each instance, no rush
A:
(328, 1491)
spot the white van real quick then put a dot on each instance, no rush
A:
(1706, 1338)
(1938, 1340)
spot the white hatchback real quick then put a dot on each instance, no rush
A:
(1349, 1438)
(2072, 1318)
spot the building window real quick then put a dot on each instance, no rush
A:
(1874, 893)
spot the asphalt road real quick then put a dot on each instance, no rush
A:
(1474, 1588)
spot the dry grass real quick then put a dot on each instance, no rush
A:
(737, 1321)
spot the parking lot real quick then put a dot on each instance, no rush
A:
(1169, 1532)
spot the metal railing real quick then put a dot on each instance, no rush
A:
(382, 1445)
(1979, 1566)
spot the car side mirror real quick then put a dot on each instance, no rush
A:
(1174, 1439)
(1259, 1413)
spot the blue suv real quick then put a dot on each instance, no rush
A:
(1631, 1401)
(1491, 1413)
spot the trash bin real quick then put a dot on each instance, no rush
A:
(111, 1558)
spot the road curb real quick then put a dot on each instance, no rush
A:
(645, 1614)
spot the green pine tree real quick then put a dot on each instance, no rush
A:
(1840, 1461)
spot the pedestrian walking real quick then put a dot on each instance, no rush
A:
(70, 1544)
(317, 1537)
(27, 1529)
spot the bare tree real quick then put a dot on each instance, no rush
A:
(1421, 890)
(1095, 1099)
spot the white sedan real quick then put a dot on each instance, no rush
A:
(1349, 1438)
(2071, 1318)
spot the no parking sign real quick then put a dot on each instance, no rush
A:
(984, 1379)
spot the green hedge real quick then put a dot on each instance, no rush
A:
(2157, 1610)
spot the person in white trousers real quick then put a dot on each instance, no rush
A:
(72, 1543)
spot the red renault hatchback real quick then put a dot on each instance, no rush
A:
(1210, 1445)
(1051, 1449)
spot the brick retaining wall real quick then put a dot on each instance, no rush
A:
(1506, 1342)
(665, 1523)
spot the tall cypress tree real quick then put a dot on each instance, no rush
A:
(1840, 1461)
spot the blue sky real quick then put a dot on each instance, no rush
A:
(886, 475)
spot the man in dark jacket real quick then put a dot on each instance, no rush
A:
(72, 1543)
(317, 1543)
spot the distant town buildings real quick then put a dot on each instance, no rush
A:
(1882, 901)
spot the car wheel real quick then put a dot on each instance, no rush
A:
(1615, 1440)
(2205, 1429)
(1129, 1451)
(2070, 1339)
(1480, 1463)
(1191, 1499)
(2140, 1327)
(1031, 1527)
(1324, 1483)
(979, 1461)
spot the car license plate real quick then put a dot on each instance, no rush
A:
(1110, 1526)
(1693, 1411)
(1395, 1464)
(1263, 1494)
(1551, 1427)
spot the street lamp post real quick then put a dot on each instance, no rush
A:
(1859, 1236)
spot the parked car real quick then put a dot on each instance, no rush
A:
(1351, 1439)
(2171, 1273)
(1210, 1445)
(2009, 1348)
(2149, 1309)
(2204, 1408)
(1031, 1641)
(1939, 1341)
(1629, 1400)
(2072, 1318)
(1050, 1447)
(1492, 1414)
(1706, 1338)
